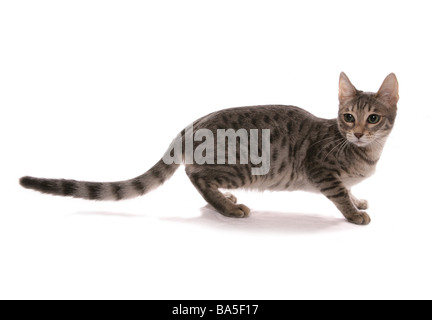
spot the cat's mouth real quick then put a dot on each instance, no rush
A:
(362, 142)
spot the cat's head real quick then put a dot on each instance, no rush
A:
(366, 118)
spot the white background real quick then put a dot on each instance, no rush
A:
(96, 90)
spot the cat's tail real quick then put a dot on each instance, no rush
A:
(120, 190)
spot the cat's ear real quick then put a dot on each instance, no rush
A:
(346, 90)
(389, 91)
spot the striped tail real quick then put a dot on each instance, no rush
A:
(121, 190)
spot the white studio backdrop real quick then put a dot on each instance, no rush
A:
(96, 90)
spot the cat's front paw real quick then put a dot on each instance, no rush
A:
(230, 196)
(238, 211)
(360, 218)
(361, 204)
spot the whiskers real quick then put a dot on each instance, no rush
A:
(377, 145)
(322, 140)
(341, 144)
(342, 148)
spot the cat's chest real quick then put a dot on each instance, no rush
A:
(357, 173)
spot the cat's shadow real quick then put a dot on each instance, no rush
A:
(267, 221)
(258, 221)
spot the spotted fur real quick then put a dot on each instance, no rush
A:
(307, 153)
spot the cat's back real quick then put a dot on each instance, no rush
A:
(256, 117)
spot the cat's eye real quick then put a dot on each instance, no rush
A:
(373, 118)
(349, 117)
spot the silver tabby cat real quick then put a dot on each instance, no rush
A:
(306, 153)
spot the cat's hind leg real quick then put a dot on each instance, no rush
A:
(226, 204)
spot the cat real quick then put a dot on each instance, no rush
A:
(306, 153)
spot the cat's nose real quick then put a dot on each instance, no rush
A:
(358, 135)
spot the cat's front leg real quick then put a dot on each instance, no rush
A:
(334, 190)
(359, 203)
